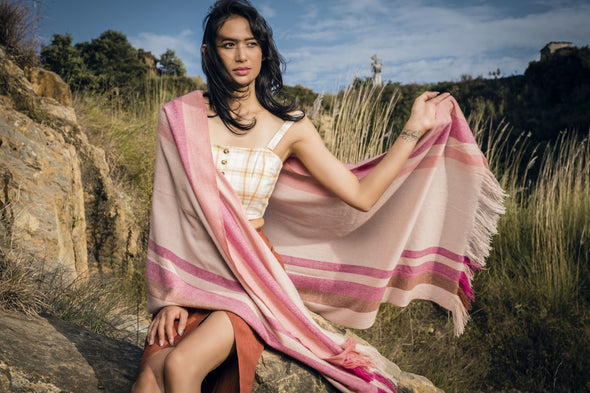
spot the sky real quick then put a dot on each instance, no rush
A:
(327, 43)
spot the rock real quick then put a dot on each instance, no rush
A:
(49, 84)
(41, 193)
(45, 354)
(58, 202)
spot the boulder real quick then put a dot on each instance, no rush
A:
(45, 354)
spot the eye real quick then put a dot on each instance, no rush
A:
(227, 45)
(252, 44)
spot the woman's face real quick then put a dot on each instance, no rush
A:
(239, 51)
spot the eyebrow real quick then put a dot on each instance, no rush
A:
(222, 38)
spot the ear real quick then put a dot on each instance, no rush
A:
(203, 48)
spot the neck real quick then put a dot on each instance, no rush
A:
(248, 106)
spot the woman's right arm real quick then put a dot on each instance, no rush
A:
(362, 194)
(162, 326)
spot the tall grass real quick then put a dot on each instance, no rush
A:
(19, 31)
(358, 126)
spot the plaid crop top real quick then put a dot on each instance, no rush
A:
(252, 172)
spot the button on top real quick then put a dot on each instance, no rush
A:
(226, 151)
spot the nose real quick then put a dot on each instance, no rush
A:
(240, 53)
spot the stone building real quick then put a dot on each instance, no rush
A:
(554, 47)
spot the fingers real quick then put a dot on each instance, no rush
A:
(182, 321)
(169, 327)
(162, 326)
(439, 97)
(428, 95)
(161, 331)
(152, 332)
(433, 96)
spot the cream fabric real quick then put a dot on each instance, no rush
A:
(252, 172)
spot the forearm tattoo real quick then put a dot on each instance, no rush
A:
(409, 135)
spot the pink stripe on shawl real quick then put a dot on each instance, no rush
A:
(187, 114)
(194, 270)
(372, 293)
(335, 267)
(369, 271)
(415, 254)
(345, 288)
(263, 284)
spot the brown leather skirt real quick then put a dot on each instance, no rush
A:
(237, 373)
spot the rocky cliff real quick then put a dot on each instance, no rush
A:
(59, 205)
(57, 201)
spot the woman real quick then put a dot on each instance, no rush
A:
(184, 345)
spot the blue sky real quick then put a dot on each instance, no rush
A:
(328, 42)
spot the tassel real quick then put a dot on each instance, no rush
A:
(353, 359)
(363, 374)
(466, 286)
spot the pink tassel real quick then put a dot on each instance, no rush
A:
(464, 283)
(363, 374)
(353, 359)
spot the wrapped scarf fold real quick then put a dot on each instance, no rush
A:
(423, 239)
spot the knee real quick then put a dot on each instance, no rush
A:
(146, 382)
(179, 367)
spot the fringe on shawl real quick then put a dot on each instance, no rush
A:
(485, 226)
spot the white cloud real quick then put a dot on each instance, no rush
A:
(423, 43)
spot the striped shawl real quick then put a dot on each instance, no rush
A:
(423, 240)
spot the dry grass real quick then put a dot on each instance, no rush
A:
(358, 126)
(18, 31)
(33, 287)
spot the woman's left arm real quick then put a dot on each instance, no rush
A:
(331, 173)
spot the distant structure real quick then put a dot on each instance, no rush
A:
(149, 60)
(376, 68)
(553, 48)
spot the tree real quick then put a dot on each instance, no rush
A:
(65, 60)
(170, 64)
(113, 59)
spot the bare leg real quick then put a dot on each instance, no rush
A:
(183, 367)
(151, 374)
(198, 354)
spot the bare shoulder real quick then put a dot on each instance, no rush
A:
(303, 129)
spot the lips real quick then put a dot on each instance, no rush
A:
(242, 70)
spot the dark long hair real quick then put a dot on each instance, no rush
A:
(222, 87)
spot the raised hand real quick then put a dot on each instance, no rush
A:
(422, 117)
